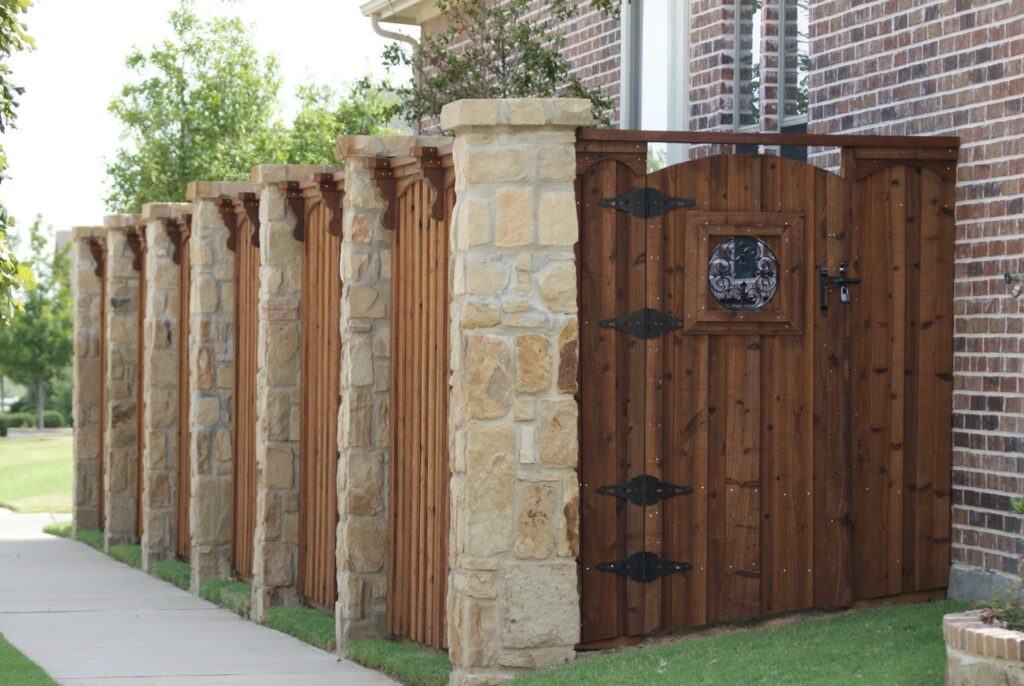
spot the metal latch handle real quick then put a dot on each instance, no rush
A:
(826, 282)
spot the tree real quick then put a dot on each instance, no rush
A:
(203, 106)
(324, 115)
(13, 38)
(35, 347)
(505, 50)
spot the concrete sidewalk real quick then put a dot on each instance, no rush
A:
(87, 619)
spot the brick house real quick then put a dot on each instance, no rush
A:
(935, 67)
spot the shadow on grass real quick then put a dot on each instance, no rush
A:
(411, 663)
(231, 595)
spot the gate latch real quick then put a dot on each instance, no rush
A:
(645, 323)
(826, 282)
(646, 203)
(644, 567)
(645, 490)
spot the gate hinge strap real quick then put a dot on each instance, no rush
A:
(645, 323)
(646, 203)
(644, 567)
(645, 490)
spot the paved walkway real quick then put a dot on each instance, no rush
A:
(88, 619)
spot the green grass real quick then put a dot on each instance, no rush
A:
(232, 595)
(174, 572)
(59, 529)
(128, 554)
(896, 646)
(314, 627)
(36, 473)
(92, 538)
(18, 670)
(410, 663)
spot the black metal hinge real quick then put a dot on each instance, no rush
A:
(644, 567)
(647, 203)
(645, 323)
(645, 490)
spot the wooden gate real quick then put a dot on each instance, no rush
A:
(318, 204)
(179, 231)
(421, 196)
(137, 243)
(753, 418)
(241, 216)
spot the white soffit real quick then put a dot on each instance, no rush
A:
(413, 12)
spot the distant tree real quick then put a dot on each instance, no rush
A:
(35, 346)
(505, 51)
(324, 114)
(203, 106)
(13, 38)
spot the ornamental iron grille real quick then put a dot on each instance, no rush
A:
(743, 274)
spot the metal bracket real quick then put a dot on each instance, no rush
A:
(825, 283)
(644, 567)
(645, 490)
(645, 323)
(647, 203)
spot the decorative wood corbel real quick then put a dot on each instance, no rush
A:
(332, 196)
(136, 239)
(250, 204)
(293, 196)
(226, 207)
(430, 165)
(176, 232)
(98, 250)
(384, 176)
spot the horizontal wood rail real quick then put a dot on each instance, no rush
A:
(793, 139)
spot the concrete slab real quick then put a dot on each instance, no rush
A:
(88, 619)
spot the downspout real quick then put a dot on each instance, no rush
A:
(402, 38)
(630, 26)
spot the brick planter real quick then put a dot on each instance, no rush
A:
(978, 654)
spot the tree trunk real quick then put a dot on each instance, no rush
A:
(40, 402)
(3, 394)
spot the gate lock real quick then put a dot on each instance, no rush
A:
(826, 282)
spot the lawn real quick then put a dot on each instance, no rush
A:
(36, 473)
(18, 670)
(896, 646)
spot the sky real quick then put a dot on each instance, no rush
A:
(64, 133)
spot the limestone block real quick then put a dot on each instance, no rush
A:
(490, 488)
(533, 363)
(365, 484)
(514, 217)
(529, 618)
(488, 378)
(535, 511)
(487, 277)
(558, 224)
(558, 440)
(557, 285)
(473, 224)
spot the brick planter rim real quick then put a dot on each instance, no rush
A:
(966, 632)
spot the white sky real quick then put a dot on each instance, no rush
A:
(64, 132)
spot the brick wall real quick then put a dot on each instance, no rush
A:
(953, 67)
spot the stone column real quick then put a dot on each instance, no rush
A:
(211, 379)
(88, 260)
(278, 399)
(512, 592)
(160, 393)
(364, 426)
(121, 439)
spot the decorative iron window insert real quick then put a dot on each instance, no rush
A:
(743, 274)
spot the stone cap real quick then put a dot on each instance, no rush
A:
(211, 190)
(84, 232)
(386, 146)
(965, 631)
(165, 210)
(265, 174)
(556, 112)
(121, 221)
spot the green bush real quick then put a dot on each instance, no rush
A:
(27, 420)
(314, 627)
(231, 595)
(174, 572)
(411, 663)
(52, 419)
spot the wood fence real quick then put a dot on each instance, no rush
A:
(179, 232)
(241, 215)
(317, 205)
(420, 195)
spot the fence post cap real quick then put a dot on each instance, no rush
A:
(163, 210)
(80, 233)
(121, 221)
(264, 174)
(211, 190)
(558, 112)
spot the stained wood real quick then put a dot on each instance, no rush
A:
(318, 463)
(948, 143)
(183, 487)
(247, 264)
(419, 474)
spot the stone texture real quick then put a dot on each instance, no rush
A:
(512, 594)
(86, 288)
